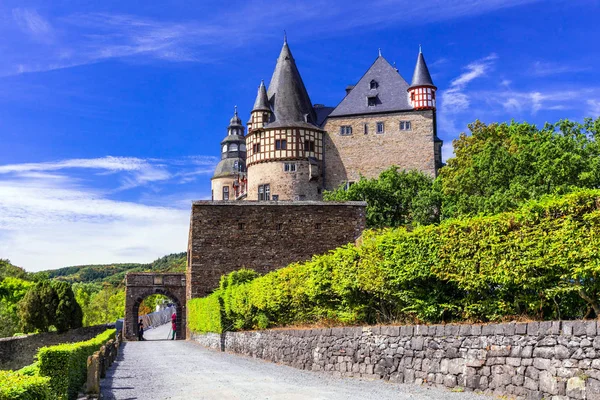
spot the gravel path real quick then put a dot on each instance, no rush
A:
(185, 370)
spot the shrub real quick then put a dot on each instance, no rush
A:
(66, 364)
(204, 314)
(541, 262)
(17, 386)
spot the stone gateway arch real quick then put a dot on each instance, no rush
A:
(141, 285)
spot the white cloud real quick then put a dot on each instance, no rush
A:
(542, 68)
(92, 37)
(32, 23)
(455, 99)
(593, 108)
(50, 218)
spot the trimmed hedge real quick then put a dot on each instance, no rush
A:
(66, 364)
(204, 314)
(16, 386)
(541, 262)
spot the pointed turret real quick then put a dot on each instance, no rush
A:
(422, 90)
(230, 173)
(261, 112)
(287, 94)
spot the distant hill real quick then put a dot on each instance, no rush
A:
(9, 270)
(115, 273)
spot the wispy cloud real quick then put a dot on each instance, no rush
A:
(55, 214)
(92, 37)
(542, 68)
(593, 108)
(32, 23)
(455, 99)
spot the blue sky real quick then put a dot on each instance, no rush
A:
(111, 112)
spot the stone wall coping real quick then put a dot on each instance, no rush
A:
(254, 203)
(156, 273)
(534, 328)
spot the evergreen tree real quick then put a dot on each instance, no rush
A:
(68, 314)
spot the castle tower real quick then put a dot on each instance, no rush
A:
(422, 90)
(285, 144)
(229, 179)
(261, 112)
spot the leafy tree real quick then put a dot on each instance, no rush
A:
(500, 166)
(9, 270)
(49, 304)
(395, 198)
(68, 314)
(107, 305)
(12, 290)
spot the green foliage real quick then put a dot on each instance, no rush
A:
(114, 274)
(9, 270)
(395, 198)
(542, 262)
(12, 290)
(204, 314)
(49, 304)
(500, 166)
(17, 386)
(66, 364)
(106, 305)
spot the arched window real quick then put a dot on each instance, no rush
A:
(242, 147)
(374, 84)
(225, 192)
(233, 147)
(224, 148)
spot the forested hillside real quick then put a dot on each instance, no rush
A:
(115, 273)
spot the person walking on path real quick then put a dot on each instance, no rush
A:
(173, 325)
(141, 330)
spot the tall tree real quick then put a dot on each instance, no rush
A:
(499, 166)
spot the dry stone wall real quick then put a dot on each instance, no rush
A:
(17, 352)
(537, 360)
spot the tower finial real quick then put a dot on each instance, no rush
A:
(235, 108)
(284, 37)
(420, 49)
(380, 52)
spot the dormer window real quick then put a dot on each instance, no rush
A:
(374, 84)
(371, 101)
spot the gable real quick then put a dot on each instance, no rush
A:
(390, 93)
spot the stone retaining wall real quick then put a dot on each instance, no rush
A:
(552, 360)
(17, 352)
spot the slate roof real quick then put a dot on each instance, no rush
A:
(421, 77)
(391, 92)
(262, 101)
(287, 94)
(225, 167)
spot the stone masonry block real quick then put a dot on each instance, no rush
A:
(521, 328)
(579, 328)
(533, 328)
(464, 330)
(390, 331)
(567, 327)
(590, 328)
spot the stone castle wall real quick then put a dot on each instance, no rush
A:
(346, 158)
(264, 236)
(287, 185)
(17, 352)
(537, 360)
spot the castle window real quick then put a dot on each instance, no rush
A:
(264, 192)
(432, 95)
(242, 147)
(256, 148)
(366, 129)
(347, 184)
(412, 96)
(280, 144)
(374, 84)
(345, 130)
(380, 127)
(309, 145)
(236, 165)
(289, 167)
(241, 226)
(371, 101)
(233, 147)
(318, 225)
(224, 148)
(405, 126)
(225, 192)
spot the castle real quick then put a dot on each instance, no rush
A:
(294, 150)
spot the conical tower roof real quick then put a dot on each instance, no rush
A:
(235, 121)
(287, 94)
(262, 100)
(421, 77)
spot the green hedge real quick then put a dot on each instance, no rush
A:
(16, 386)
(204, 314)
(541, 262)
(66, 364)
